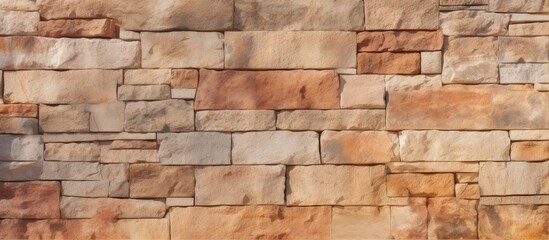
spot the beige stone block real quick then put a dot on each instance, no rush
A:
(92, 189)
(432, 167)
(420, 185)
(477, 23)
(411, 83)
(396, 14)
(147, 76)
(524, 73)
(18, 22)
(523, 49)
(143, 93)
(195, 148)
(159, 116)
(431, 62)
(235, 120)
(362, 91)
(319, 120)
(350, 147)
(72, 152)
(78, 171)
(64, 118)
(26, 126)
(514, 178)
(90, 137)
(470, 60)
(530, 151)
(410, 221)
(182, 93)
(113, 208)
(361, 222)
(128, 156)
(452, 218)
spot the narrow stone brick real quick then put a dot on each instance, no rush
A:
(235, 120)
(181, 93)
(21, 148)
(128, 156)
(147, 76)
(195, 148)
(530, 151)
(113, 208)
(92, 189)
(524, 73)
(92, 28)
(29, 200)
(518, 6)
(90, 137)
(467, 177)
(389, 63)
(512, 49)
(143, 93)
(18, 22)
(362, 91)
(72, 152)
(515, 200)
(349, 147)
(19, 126)
(20, 171)
(19, 110)
(529, 29)
(179, 202)
(521, 135)
(79, 171)
(477, 23)
(396, 14)
(22, 5)
(318, 120)
(64, 118)
(432, 167)
(420, 185)
(133, 144)
(411, 82)
(156, 181)
(514, 178)
(399, 41)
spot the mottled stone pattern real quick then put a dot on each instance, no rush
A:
(274, 119)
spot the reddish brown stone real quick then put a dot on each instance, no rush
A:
(420, 185)
(29, 200)
(389, 63)
(18, 110)
(101, 28)
(184, 78)
(469, 107)
(299, 89)
(400, 41)
(154, 181)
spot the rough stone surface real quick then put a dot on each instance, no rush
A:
(19, 110)
(149, 92)
(512, 49)
(336, 185)
(159, 116)
(395, 14)
(399, 41)
(20, 171)
(21, 148)
(93, 28)
(518, 135)
(66, 53)
(478, 23)
(420, 185)
(64, 118)
(290, 50)
(514, 178)
(117, 175)
(389, 63)
(153, 181)
(347, 147)
(521, 222)
(524, 73)
(530, 151)
(128, 156)
(515, 200)
(454, 146)
(53, 170)
(469, 107)
(470, 60)
(182, 50)
(75, 207)
(275, 147)
(22, 5)
(432, 167)
(431, 62)
(249, 185)
(90, 137)
(85, 188)
(362, 91)
(361, 222)
(331, 120)
(27, 126)
(18, 22)
(452, 218)
(467, 191)
(410, 221)
(409, 83)
(147, 76)
(197, 148)
(133, 144)
(29, 200)
(296, 89)
(235, 120)
(529, 29)
(72, 152)
(518, 6)
(184, 78)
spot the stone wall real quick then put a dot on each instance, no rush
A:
(292, 119)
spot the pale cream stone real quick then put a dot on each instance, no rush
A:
(431, 62)
(118, 177)
(26, 126)
(524, 73)
(525, 17)
(144, 92)
(409, 83)
(518, 200)
(467, 191)
(179, 202)
(133, 144)
(478, 23)
(64, 118)
(195, 148)
(76, 207)
(85, 188)
(235, 120)
(529, 29)
(541, 87)
(129, 35)
(128, 156)
(18, 22)
(53, 170)
(18, 5)
(319, 120)
(275, 147)
(20, 171)
(21, 148)
(470, 60)
(159, 116)
(74, 152)
(454, 146)
(518, 6)
(362, 91)
(346, 71)
(68, 87)
(106, 117)
(361, 222)
(431, 167)
(410, 221)
(290, 50)
(183, 93)
(182, 50)
(147, 76)
(246, 185)
(90, 137)
(396, 14)
(354, 147)
(467, 177)
(523, 49)
(514, 178)
(518, 135)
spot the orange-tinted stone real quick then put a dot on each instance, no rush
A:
(530, 151)
(513, 222)
(452, 218)
(349, 147)
(399, 41)
(102, 28)
(389, 63)
(18, 110)
(154, 181)
(184, 78)
(420, 185)
(469, 107)
(29, 200)
(299, 89)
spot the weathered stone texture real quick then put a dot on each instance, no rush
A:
(529, 29)
(478, 23)
(410, 221)
(362, 91)
(361, 222)
(64, 118)
(389, 63)
(452, 218)
(524, 73)
(395, 14)
(154, 180)
(530, 151)
(518, 6)
(20, 171)
(21, 148)
(159, 116)
(75, 207)
(431, 62)
(470, 60)
(347, 147)
(523, 49)
(420, 185)
(29, 200)
(148, 92)
(19, 125)
(399, 41)
(331, 120)
(196, 148)
(409, 83)
(129, 156)
(514, 222)
(18, 22)
(19, 110)
(514, 178)
(85, 188)
(235, 120)
(432, 167)
(54, 170)
(99, 28)
(72, 152)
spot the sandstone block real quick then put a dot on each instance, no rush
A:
(275, 147)
(235, 120)
(21, 148)
(90, 137)
(420, 185)
(250, 222)
(159, 116)
(389, 63)
(106, 117)
(68, 87)
(452, 218)
(290, 50)
(78, 171)
(92, 28)
(72, 152)
(92, 189)
(470, 60)
(469, 107)
(524, 73)
(20, 171)
(521, 135)
(271, 90)
(523, 49)
(179, 202)
(478, 23)
(240, 185)
(515, 200)
(117, 175)
(526, 17)
(336, 185)
(154, 181)
(184, 78)
(319, 120)
(399, 41)
(361, 222)
(19, 110)
(18, 22)
(21, 5)
(129, 35)
(182, 50)
(75, 207)
(140, 93)
(513, 222)
(529, 29)
(29, 200)
(467, 191)
(195, 148)
(147, 76)
(518, 6)
(67, 53)
(347, 147)
(410, 221)
(514, 178)
(454, 146)
(409, 83)
(395, 14)
(183, 93)
(19, 125)
(463, 2)
(530, 151)
(432, 167)
(128, 156)
(431, 62)
(64, 118)
(362, 91)
(467, 177)
(133, 144)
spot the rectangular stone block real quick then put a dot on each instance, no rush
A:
(143, 93)
(113, 208)
(350, 147)
(290, 50)
(463, 2)
(526, 17)
(156, 181)
(20, 171)
(361, 222)
(235, 120)
(432, 167)
(514, 178)
(529, 29)
(195, 148)
(249, 185)
(19, 110)
(411, 220)
(467, 191)
(473, 23)
(409, 83)
(518, 135)
(18, 22)
(389, 63)
(27, 126)
(182, 50)
(147, 76)
(518, 6)
(70, 171)
(513, 49)
(275, 147)
(117, 175)
(452, 218)
(470, 60)
(79, 28)
(454, 146)
(530, 151)
(90, 137)
(513, 222)
(250, 222)
(467, 177)
(91, 189)
(469, 107)
(21, 148)
(29, 200)
(183, 93)
(133, 144)
(106, 117)
(21, 5)
(67, 87)
(524, 73)
(396, 14)
(64, 118)
(45, 53)
(431, 62)
(319, 120)
(72, 152)
(128, 156)
(399, 41)
(362, 91)
(336, 185)
(298, 89)
(299, 15)
(159, 116)
(420, 185)
(184, 78)
(515, 200)
(179, 202)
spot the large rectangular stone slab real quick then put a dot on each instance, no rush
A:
(72, 152)
(319, 120)
(64, 118)
(29, 200)
(514, 178)
(473, 23)
(90, 137)
(250, 222)
(290, 50)
(67, 53)
(70, 171)
(454, 146)
(249, 185)
(182, 50)
(235, 120)
(397, 14)
(513, 49)
(92, 28)
(298, 89)
(154, 181)
(195, 148)
(75, 207)
(67, 87)
(513, 222)
(524, 73)
(469, 107)
(470, 60)
(18, 22)
(21, 148)
(354, 147)
(336, 185)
